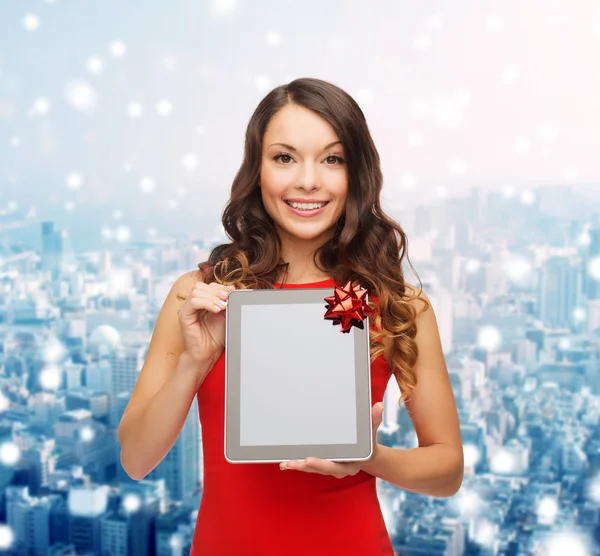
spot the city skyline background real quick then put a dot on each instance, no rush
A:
(121, 128)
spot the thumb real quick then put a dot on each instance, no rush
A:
(377, 415)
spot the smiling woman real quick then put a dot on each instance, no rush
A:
(304, 211)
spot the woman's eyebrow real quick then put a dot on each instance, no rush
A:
(293, 149)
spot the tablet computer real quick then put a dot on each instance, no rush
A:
(296, 386)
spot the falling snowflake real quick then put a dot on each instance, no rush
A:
(579, 314)
(40, 106)
(508, 191)
(189, 161)
(560, 543)
(50, 378)
(95, 64)
(436, 21)
(135, 109)
(458, 166)
(74, 180)
(9, 453)
(494, 22)
(31, 22)
(472, 455)
(273, 38)
(123, 234)
(164, 107)
(527, 197)
(131, 503)
(421, 41)
(81, 95)
(262, 83)
(489, 338)
(462, 96)
(86, 433)
(4, 405)
(7, 536)
(147, 184)
(222, 8)
(510, 76)
(593, 268)
(117, 48)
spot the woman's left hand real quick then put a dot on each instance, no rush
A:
(338, 469)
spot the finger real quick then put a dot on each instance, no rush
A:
(303, 467)
(327, 467)
(215, 305)
(208, 303)
(317, 465)
(212, 288)
(377, 414)
(221, 289)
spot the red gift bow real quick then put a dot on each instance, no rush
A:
(348, 307)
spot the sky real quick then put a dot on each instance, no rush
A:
(131, 115)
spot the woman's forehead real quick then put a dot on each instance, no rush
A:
(301, 128)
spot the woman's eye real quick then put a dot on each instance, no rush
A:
(335, 158)
(281, 156)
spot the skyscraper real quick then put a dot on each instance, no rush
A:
(560, 288)
(52, 248)
(592, 285)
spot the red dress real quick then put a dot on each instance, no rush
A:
(257, 509)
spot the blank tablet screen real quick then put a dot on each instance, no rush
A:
(297, 384)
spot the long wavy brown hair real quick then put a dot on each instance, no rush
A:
(367, 248)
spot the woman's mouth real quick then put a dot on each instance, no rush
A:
(306, 209)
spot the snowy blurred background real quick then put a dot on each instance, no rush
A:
(131, 115)
(121, 129)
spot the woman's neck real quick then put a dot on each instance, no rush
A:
(298, 273)
(299, 256)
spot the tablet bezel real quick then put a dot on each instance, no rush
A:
(233, 451)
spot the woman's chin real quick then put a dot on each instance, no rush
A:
(309, 233)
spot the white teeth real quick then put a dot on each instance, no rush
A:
(307, 206)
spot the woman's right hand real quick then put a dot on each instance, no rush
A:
(202, 321)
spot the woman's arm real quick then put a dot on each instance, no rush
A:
(147, 432)
(436, 467)
(435, 470)
(163, 393)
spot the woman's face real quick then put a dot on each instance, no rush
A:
(304, 178)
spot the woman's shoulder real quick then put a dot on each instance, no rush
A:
(185, 282)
